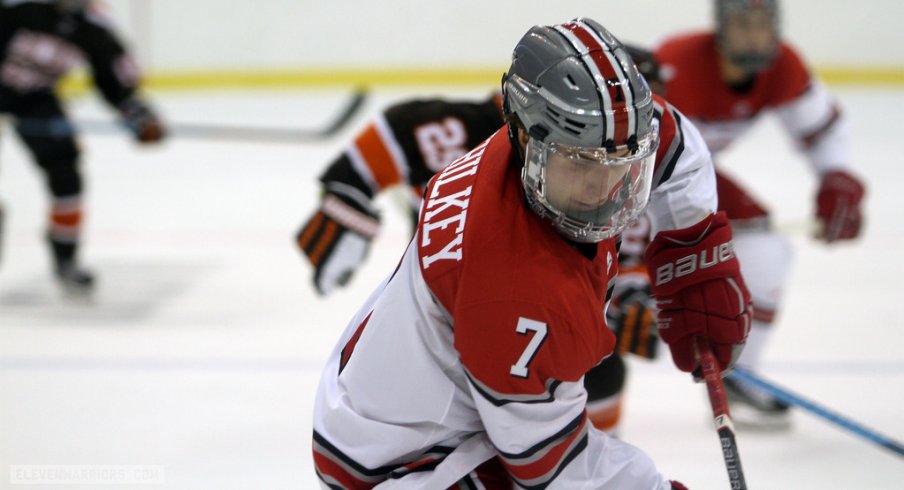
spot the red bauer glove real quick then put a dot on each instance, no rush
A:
(699, 291)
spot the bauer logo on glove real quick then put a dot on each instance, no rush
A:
(689, 264)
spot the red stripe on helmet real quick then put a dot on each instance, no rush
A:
(615, 88)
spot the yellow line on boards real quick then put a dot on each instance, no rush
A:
(485, 77)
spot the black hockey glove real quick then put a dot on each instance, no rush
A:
(336, 239)
(632, 317)
(141, 121)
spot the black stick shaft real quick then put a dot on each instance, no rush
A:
(60, 127)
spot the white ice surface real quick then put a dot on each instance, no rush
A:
(202, 348)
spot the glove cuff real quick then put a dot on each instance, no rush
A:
(351, 214)
(844, 183)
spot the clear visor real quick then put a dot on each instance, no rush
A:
(590, 193)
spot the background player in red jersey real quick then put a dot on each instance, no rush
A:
(466, 364)
(723, 81)
(40, 41)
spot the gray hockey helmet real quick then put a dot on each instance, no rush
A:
(588, 161)
(576, 84)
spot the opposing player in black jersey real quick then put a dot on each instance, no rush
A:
(40, 41)
(405, 145)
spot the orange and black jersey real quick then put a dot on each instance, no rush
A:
(39, 44)
(410, 142)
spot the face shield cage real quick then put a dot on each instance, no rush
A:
(749, 59)
(590, 194)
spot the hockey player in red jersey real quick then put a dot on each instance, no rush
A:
(40, 41)
(406, 145)
(723, 81)
(465, 364)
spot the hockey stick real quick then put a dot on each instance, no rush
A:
(786, 396)
(721, 417)
(62, 128)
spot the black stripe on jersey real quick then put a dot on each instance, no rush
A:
(500, 399)
(562, 434)
(329, 485)
(466, 483)
(424, 467)
(337, 454)
(674, 152)
(439, 453)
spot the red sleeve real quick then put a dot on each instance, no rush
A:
(789, 76)
(518, 351)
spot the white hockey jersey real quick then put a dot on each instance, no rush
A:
(474, 349)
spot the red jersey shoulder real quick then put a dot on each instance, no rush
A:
(689, 44)
(788, 77)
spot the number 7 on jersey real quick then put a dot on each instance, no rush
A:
(539, 328)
